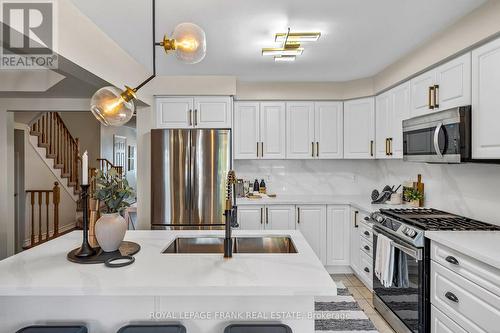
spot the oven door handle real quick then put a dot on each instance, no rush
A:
(414, 253)
(417, 254)
(436, 140)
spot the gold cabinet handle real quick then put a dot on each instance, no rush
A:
(431, 97)
(190, 116)
(298, 215)
(312, 149)
(262, 149)
(267, 215)
(317, 149)
(390, 147)
(257, 149)
(371, 147)
(261, 215)
(436, 96)
(386, 147)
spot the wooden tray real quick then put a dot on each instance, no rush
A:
(126, 249)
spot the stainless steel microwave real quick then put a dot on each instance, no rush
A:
(440, 137)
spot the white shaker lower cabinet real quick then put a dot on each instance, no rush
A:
(359, 128)
(486, 101)
(280, 217)
(251, 217)
(465, 292)
(311, 221)
(440, 323)
(337, 236)
(355, 242)
(269, 217)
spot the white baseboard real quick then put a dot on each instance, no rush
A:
(62, 229)
(339, 269)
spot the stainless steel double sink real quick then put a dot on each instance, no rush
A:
(267, 244)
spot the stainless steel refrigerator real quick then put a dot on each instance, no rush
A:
(188, 177)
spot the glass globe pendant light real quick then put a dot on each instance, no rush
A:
(188, 42)
(113, 107)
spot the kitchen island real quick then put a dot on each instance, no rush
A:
(204, 292)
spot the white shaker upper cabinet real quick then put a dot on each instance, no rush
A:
(300, 130)
(384, 108)
(359, 128)
(453, 83)
(400, 112)
(329, 130)
(212, 112)
(311, 221)
(174, 112)
(246, 130)
(280, 217)
(486, 101)
(422, 93)
(272, 130)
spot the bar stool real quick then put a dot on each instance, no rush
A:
(53, 329)
(258, 328)
(152, 329)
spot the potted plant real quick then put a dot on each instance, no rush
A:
(112, 191)
(414, 196)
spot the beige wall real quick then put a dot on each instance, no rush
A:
(85, 127)
(304, 90)
(468, 31)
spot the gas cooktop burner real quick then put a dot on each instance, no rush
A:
(433, 219)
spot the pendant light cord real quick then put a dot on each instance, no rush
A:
(153, 13)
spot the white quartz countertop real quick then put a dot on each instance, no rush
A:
(45, 271)
(481, 245)
(360, 202)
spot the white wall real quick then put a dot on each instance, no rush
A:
(107, 134)
(471, 189)
(37, 176)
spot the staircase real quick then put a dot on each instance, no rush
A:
(60, 146)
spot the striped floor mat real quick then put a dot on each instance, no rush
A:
(341, 314)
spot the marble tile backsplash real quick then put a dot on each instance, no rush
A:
(472, 190)
(322, 177)
(468, 189)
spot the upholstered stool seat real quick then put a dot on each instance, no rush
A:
(153, 329)
(53, 329)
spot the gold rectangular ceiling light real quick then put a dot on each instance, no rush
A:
(297, 37)
(286, 58)
(282, 51)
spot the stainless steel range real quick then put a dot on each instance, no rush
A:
(404, 302)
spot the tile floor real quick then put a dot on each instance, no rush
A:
(365, 300)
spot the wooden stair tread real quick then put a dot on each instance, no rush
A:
(34, 133)
(51, 156)
(43, 145)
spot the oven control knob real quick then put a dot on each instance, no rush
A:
(410, 232)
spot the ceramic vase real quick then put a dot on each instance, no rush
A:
(110, 230)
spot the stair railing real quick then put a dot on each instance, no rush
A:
(40, 222)
(61, 146)
(105, 165)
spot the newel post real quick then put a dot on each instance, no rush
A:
(57, 199)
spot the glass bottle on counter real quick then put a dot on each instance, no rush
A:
(256, 185)
(262, 187)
